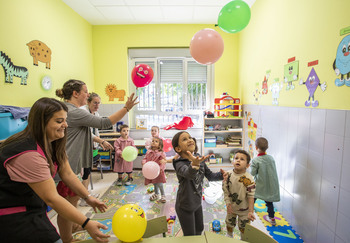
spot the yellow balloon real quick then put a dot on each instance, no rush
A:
(129, 223)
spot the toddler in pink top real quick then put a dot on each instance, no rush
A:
(120, 165)
(155, 134)
(156, 154)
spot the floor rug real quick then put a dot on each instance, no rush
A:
(137, 192)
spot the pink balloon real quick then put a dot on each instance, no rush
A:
(206, 46)
(150, 170)
(167, 145)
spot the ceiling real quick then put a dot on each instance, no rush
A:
(113, 12)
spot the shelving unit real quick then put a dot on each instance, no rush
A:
(219, 130)
(107, 156)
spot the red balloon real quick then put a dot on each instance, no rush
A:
(141, 75)
(206, 46)
(167, 145)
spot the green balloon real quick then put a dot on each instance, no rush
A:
(129, 153)
(234, 16)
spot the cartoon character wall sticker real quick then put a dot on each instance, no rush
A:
(40, 52)
(291, 73)
(12, 70)
(311, 83)
(341, 64)
(276, 88)
(112, 92)
(264, 87)
(256, 93)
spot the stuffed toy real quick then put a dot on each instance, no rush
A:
(185, 123)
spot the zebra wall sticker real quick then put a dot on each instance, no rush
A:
(12, 70)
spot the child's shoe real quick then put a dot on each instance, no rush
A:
(229, 232)
(119, 182)
(163, 199)
(154, 197)
(272, 221)
(128, 182)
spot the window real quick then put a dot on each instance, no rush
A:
(180, 87)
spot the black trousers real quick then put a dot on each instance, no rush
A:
(191, 221)
(270, 208)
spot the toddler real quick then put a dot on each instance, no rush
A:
(120, 165)
(155, 134)
(190, 170)
(239, 191)
(263, 169)
(156, 154)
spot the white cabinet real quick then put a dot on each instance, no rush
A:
(222, 136)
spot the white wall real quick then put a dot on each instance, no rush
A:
(312, 152)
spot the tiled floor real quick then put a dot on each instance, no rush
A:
(115, 196)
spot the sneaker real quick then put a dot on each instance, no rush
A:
(154, 197)
(128, 182)
(163, 199)
(272, 221)
(119, 182)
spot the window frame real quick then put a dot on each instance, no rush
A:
(171, 55)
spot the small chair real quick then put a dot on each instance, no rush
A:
(254, 235)
(95, 159)
(156, 226)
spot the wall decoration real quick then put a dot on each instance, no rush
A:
(112, 92)
(312, 82)
(12, 70)
(46, 82)
(264, 87)
(276, 88)
(341, 64)
(257, 93)
(291, 73)
(40, 52)
(252, 129)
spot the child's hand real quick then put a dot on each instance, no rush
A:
(229, 209)
(224, 174)
(251, 216)
(163, 161)
(196, 160)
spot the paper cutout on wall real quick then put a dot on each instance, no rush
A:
(291, 73)
(12, 70)
(276, 88)
(265, 89)
(311, 83)
(341, 64)
(252, 127)
(112, 92)
(250, 148)
(40, 52)
(256, 93)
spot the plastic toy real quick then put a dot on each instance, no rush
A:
(185, 123)
(227, 106)
(216, 226)
(150, 189)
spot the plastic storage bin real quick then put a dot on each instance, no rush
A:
(10, 126)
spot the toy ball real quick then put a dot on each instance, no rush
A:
(206, 46)
(234, 16)
(167, 146)
(141, 75)
(150, 170)
(129, 223)
(129, 153)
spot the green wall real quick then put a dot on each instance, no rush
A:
(67, 35)
(278, 30)
(307, 30)
(111, 43)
